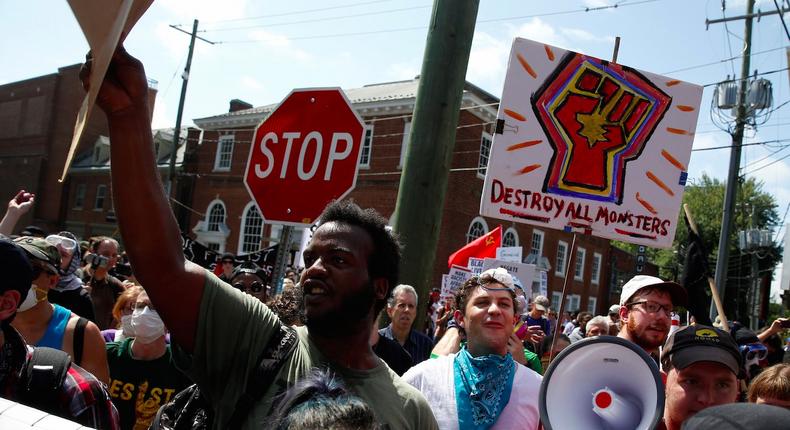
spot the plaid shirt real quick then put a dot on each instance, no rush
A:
(82, 398)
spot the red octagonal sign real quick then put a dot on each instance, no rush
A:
(304, 155)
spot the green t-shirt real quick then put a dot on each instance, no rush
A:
(533, 361)
(138, 387)
(233, 328)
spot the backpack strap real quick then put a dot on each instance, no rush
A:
(44, 375)
(279, 348)
(79, 340)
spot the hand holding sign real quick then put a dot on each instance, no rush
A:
(105, 24)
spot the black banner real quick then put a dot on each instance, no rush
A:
(205, 257)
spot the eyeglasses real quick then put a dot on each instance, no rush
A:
(227, 262)
(63, 242)
(255, 287)
(653, 307)
(753, 350)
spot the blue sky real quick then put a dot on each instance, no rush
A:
(350, 43)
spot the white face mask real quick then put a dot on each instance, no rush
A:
(126, 326)
(146, 325)
(31, 299)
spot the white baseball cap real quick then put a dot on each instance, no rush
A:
(678, 293)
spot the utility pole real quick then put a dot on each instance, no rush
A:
(735, 162)
(185, 77)
(423, 182)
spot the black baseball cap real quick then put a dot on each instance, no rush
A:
(16, 269)
(739, 416)
(698, 343)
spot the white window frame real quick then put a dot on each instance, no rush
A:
(595, 276)
(560, 268)
(485, 154)
(367, 147)
(542, 236)
(512, 231)
(79, 196)
(578, 268)
(101, 193)
(242, 247)
(218, 237)
(219, 166)
(556, 297)
(572, 302)
(404, 143)
(592, 304)
(484, 224)
(209, 212)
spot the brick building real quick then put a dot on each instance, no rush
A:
(231, 222)
(37, 118)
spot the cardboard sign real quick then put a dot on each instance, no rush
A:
(509, 253)
(524, 273)
(476, 265)
(105, 24)
(586, 145)
(457, 276)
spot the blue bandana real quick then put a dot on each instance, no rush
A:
(482, 388)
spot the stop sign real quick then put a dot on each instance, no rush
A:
(304, 155)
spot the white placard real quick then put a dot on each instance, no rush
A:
(476, 265)
(524, 272)
(509, 253)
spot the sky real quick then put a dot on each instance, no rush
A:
(264, 48)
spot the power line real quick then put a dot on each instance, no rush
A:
(300, 12)
(720, 61)
(423, 27)
(744, 144)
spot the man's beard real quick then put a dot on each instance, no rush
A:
(643, 341)
(347, 318)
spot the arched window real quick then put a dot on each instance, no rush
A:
(510, 238)
(216, 216)
(251, 229)
(477, 228)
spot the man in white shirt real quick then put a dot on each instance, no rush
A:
(481, 386)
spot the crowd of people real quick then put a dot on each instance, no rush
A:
(146, 338)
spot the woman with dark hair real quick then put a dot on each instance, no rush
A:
(320, 401)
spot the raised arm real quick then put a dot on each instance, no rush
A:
(17, 206)
(150, 233)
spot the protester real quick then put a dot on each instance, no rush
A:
(402, 310)
(43, 324)
(122, 315)
(104, 287)
(481, 386)
(78, 396)
(70, 292)
(536, 315)
(18, 206)
(646, 305)
(547, 357)
(597, 326)
(739, 416)
(580, 331)
(228, 262)
(143, 375)
(702, 366)
(772, 386)
(572, 323)
(321, 401)
(614, 317)
(753, 352)
(352, 264)
(288, 307)
(770, 337)
(248, 278)
(390, 351)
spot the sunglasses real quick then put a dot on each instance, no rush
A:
(754, 350)
(255, 287)
(62, 242)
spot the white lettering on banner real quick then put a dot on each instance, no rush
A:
(304, 174)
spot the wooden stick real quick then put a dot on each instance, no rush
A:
(711, 282)
(556, 334)
(616, 49)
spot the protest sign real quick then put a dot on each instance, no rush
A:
(509, 253)
(457, 276)
(523, 272)
(586, 145)
(476, 265)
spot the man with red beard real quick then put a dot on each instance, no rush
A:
(646, 305)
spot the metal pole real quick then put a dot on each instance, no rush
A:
(177, 131)
(282, 257)
(735, 161)
(418, 211)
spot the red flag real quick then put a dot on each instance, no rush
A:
(482, 247)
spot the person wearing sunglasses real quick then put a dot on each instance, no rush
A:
(42, 323)
(249, 278)
(228, 262)
(70, 292)
(646, 305)
(753, 352)
(482, 386)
